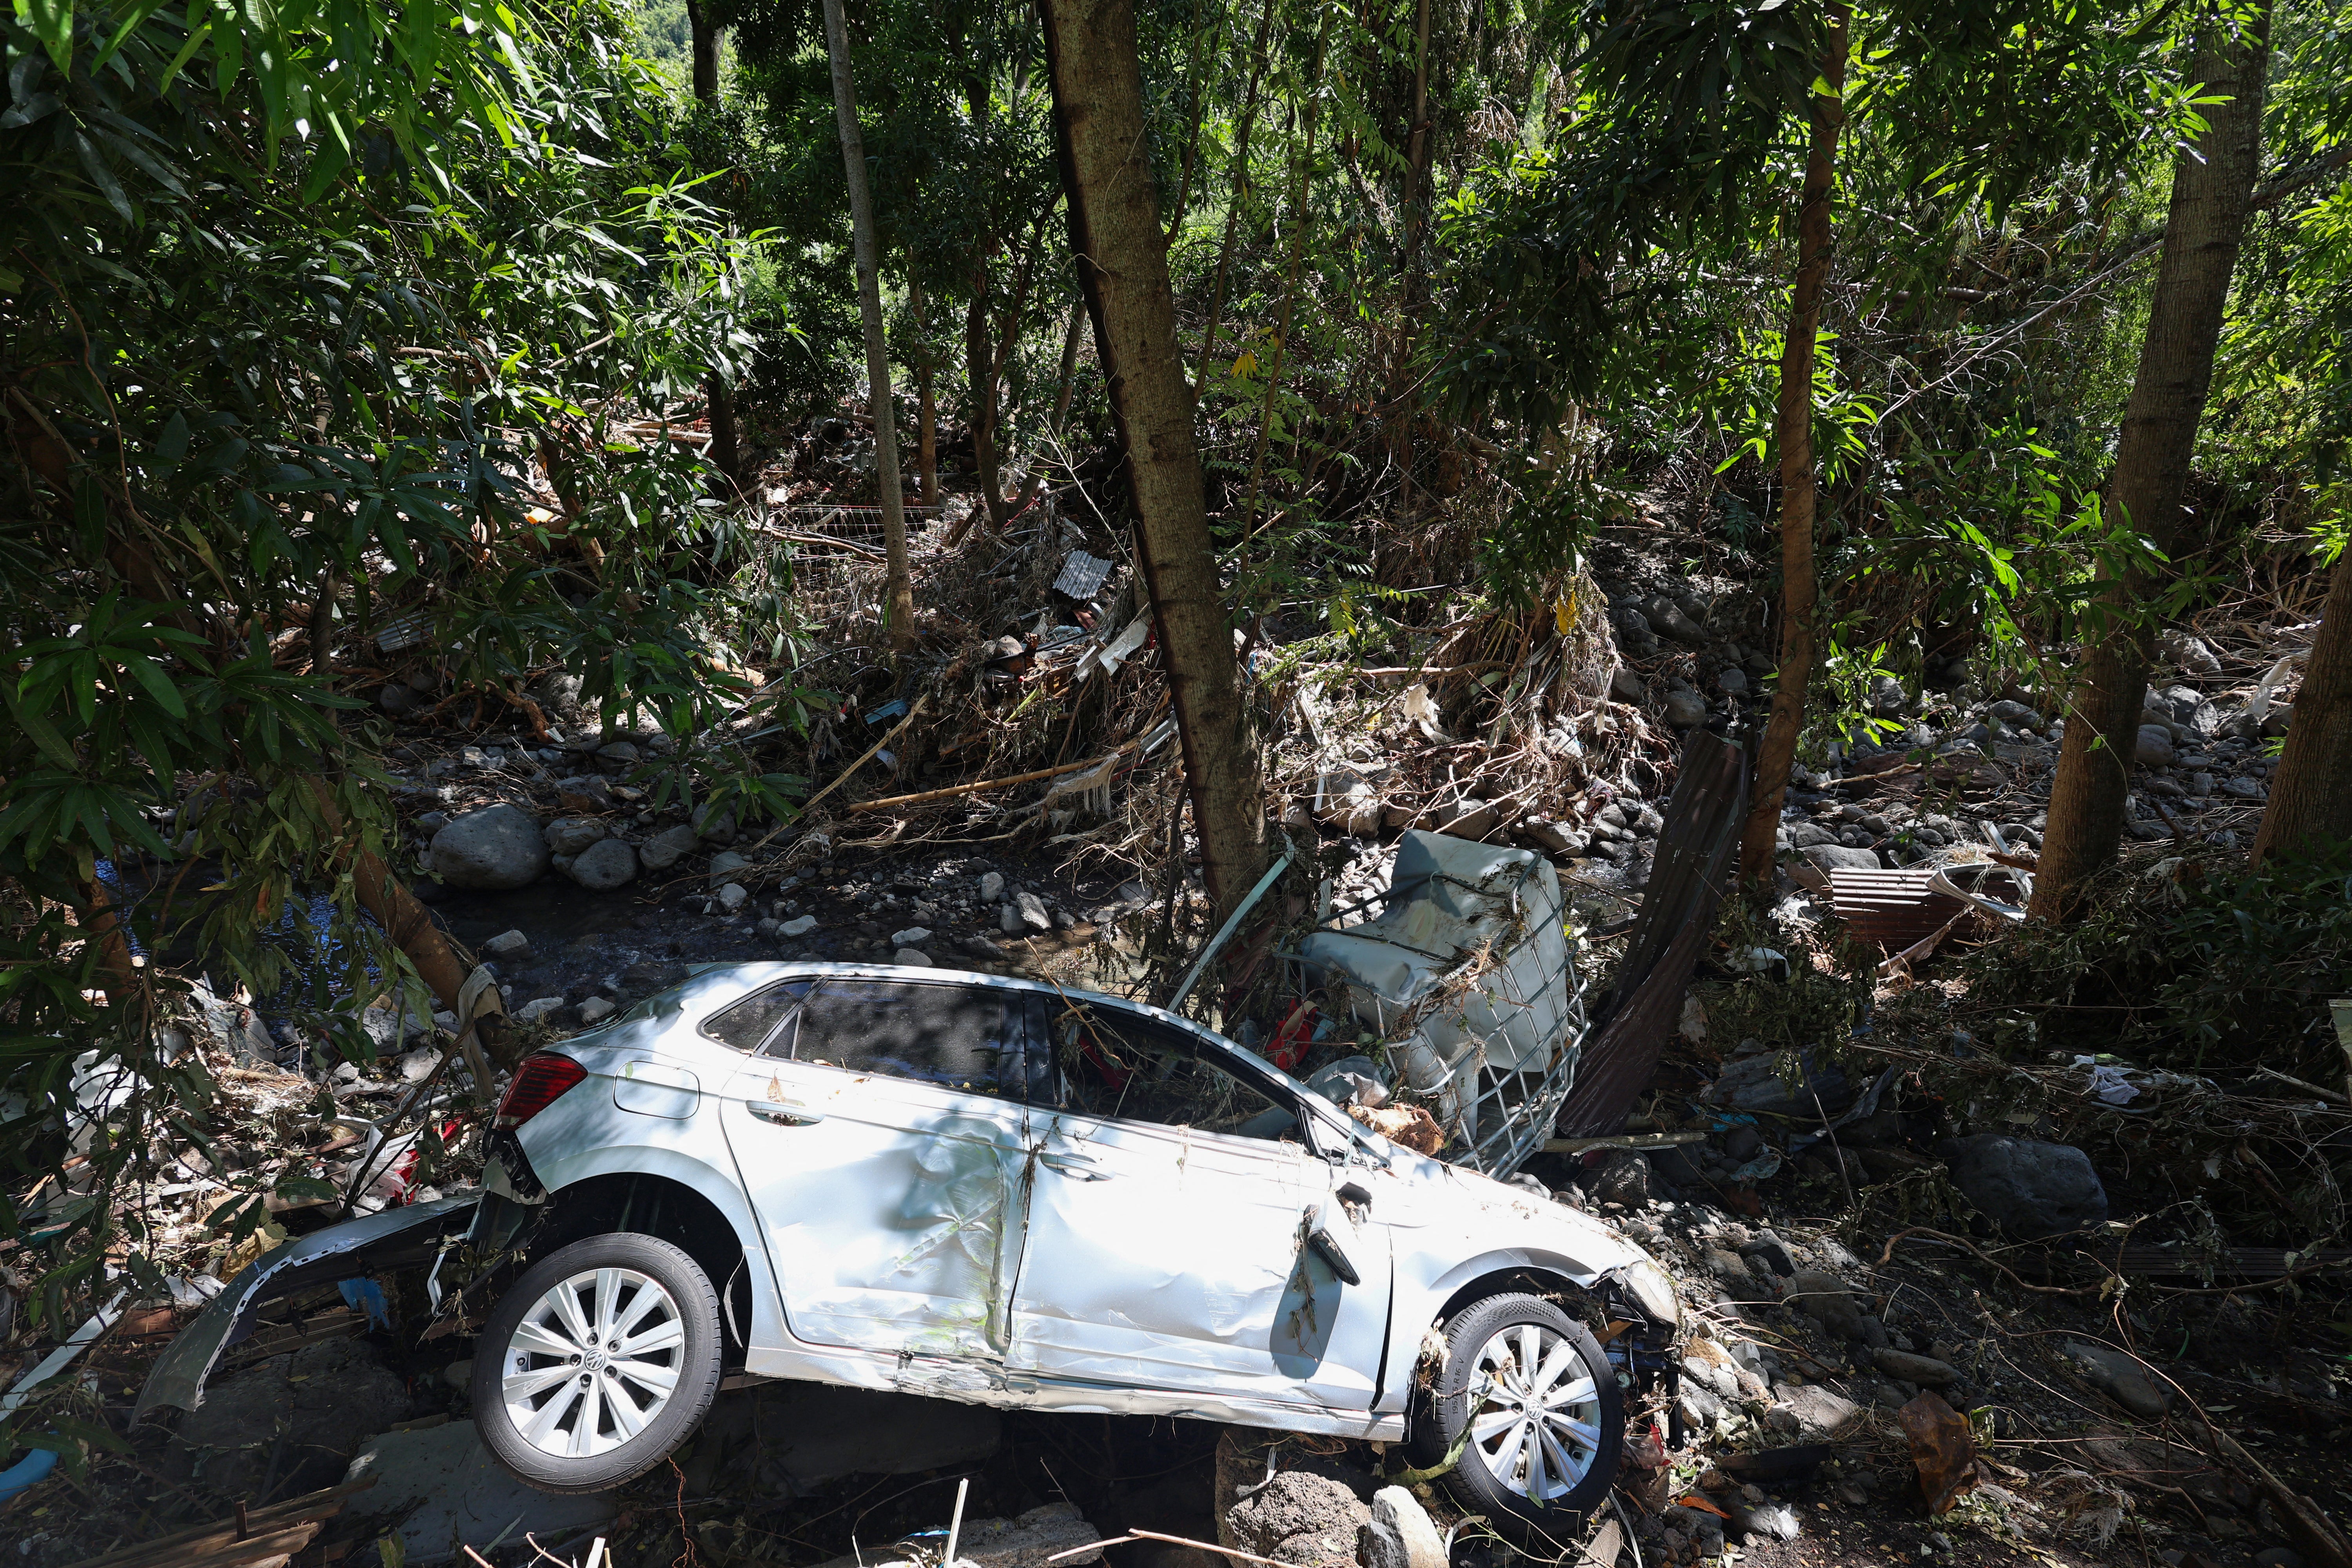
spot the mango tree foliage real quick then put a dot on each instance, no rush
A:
(314, 321)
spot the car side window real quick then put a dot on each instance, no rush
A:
(964, 1038)
(1118, 1066)
(761, 1023)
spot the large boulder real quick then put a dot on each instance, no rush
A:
(1300, 1518)
(2029, 1189)
(496, 847)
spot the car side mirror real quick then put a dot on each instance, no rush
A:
(1328, 1235)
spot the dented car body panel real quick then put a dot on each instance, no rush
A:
(963, 1199)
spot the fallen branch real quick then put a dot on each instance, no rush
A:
(1622, 1141)
(927, 796)
(2337, 1095)
(842, 776)
(1174, 1540)
(1887, 1257)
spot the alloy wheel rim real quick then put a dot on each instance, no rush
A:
(593, 1362)
(1534, 1411)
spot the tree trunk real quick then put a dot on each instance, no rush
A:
(927, 428)
(877, 357)
(1800, 592)
(726, 456)
(979, 379)
(2211, 184)
(1116, 236)
(706, 53)
(2311, 793)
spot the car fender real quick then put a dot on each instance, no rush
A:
(398, 1237)
(688, 1167)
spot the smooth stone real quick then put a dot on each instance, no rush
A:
(726, 867)
(509, 944)
(799, 927)
(573, 835)
(496, 847)
(668, 847)
(713, 823)
(913, 936)
(531, 1012)
(1032, 912)
(1685, 710)
(1842, 856)
(2118, 1376)
(912, 958)
(1924, 1371)
(2154, 749)
(596, 1010)
(607, 863)
(992, 886)
(2028, 1188)
(733, 897)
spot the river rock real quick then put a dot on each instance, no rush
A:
(992, 886)
(733, 897)
(2016, 715)
(1033, 913)
(668, 847)
(2191, 654)
(586, 793)
(713, 823)
(1825, 1298)
(607, 863)
(1685, 710)
(496, 847)
(1408, 1537)
(2029, 1189)
(511, 946)
(2154, 748)
(2118, 1376)
(1924, 1371)
(1627, 687)
(594, 1011)
(617, 757)
(1811, 1413)
(726, 867)
(571, 834)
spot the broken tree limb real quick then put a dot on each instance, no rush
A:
(984, 785)
(844, 775)
(1622, 1141)
(436, 958)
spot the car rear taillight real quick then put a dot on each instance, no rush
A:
(542, 1076)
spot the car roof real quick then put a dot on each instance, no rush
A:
(713, 985)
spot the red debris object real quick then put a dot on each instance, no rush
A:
(1290, 1041)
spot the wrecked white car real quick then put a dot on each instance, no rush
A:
(995, 1191)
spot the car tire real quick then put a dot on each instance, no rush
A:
(554, 1406)
(1544, 1506)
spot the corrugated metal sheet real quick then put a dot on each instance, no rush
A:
(1894, 909)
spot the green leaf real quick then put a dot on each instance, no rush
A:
(50, 21)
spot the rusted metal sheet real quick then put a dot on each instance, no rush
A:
(1686, 882)
(1894, 909)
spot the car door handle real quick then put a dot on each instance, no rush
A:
(1076, 1166)
(783, 1115)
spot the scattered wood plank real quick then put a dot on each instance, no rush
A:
(266, 1534)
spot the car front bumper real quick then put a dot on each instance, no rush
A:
(391, 1238)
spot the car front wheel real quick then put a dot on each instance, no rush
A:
(1544, 1418)
(597, 1362)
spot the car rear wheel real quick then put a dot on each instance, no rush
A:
(1534, 1407)
(597, 1362)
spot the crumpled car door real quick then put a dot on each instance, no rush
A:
(887, 1201)
(1178, 1257)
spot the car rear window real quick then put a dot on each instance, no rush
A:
(754, 1021)
(957, 1037)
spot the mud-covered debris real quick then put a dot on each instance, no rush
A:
(1942, 1447)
